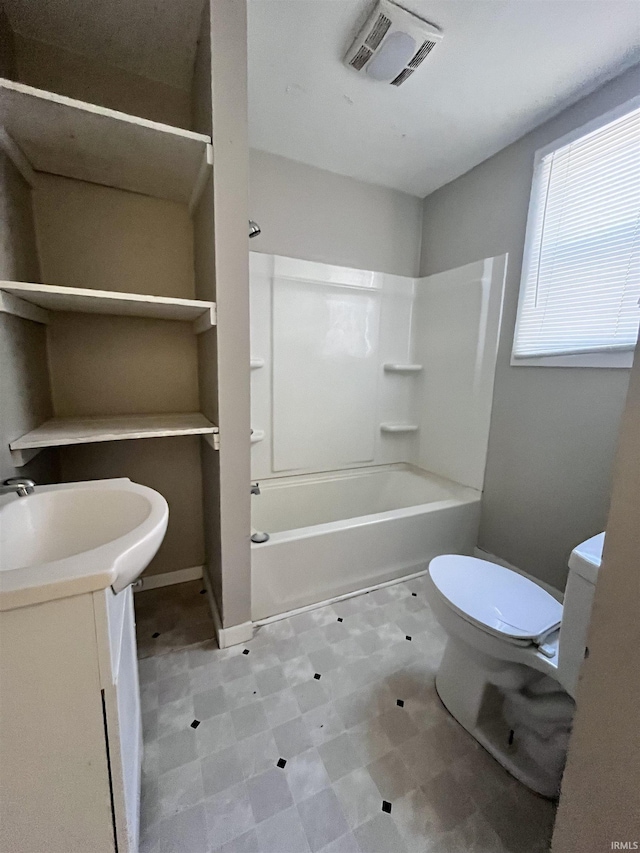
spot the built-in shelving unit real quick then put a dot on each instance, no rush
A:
(61, 432)
(35, 301)
(398, 428)
(46, 132)
(402, 368)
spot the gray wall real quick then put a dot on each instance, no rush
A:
(553, 430)
(309, 213)
(25, 394)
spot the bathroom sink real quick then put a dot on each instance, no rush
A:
(72, 538)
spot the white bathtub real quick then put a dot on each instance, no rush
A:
(332, 534)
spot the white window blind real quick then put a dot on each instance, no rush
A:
(581, 271)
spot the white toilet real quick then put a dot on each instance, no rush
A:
(512, 659)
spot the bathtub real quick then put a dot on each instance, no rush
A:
(336, 533)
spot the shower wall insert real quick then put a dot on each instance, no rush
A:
(371, 400)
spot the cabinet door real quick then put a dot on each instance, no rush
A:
(123, 717)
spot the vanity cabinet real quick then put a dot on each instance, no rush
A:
(70, 726)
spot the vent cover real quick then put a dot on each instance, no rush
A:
(392, 44)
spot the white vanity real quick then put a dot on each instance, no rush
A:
(70, 725)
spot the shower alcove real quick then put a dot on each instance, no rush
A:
(370, 402)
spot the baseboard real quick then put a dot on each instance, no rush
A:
(485, 555)
(193, 573)
(233, 635)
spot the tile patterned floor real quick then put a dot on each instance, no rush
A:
(171, 618)
(323, 734)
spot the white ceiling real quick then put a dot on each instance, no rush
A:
(503, 67)
(154, 38)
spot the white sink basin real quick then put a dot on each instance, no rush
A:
(77, 537)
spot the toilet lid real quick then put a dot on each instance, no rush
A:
(495, 597)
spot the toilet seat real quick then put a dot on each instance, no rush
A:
(496, 599)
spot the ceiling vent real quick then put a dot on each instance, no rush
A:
(392, 44)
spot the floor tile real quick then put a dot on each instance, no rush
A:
(306, 774)
(322, 819)
(398, 725)
(241, 691)
(258, 753)
(521, 819)
(235, 667)
(174, 716)
(323, 660)
(310, 695)
(176, 749)
(263, 657)
(221, 770)
(323, 723)
(228, 815)
(313, 640)
(269, 794)
(292, 737)
(249, 720)
(180, 788)
(209, 703)
(339, 756)
(380, 835)
(171, 664)
(203, 654)
(288, 649)
(345, 844)
(282, 833)
(449, 802)
(358, 796)
(422, 755)
(148, 670)
(247, 843)
(205, 677)
(298, 670)
(184, 831)
(215, 734)
(280, 707)
(391, 776)
(370, 740)
(271, 680)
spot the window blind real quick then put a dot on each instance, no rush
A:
(581, 272)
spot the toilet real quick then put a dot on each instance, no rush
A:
(512, 659)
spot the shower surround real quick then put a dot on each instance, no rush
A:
(371, 401)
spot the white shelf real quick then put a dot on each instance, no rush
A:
(51, 133)
(35, 301)
(402, 368)
(398, 428)
(60, 432)
(257, 363)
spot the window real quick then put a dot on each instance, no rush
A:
(580, 282)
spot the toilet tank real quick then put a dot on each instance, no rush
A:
(584, 564)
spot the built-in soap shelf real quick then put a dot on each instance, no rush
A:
(398, 428)
(390, 367)
(257, 435)
(36, 301)
(257, 363)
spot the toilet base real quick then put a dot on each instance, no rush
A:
(476, 689)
